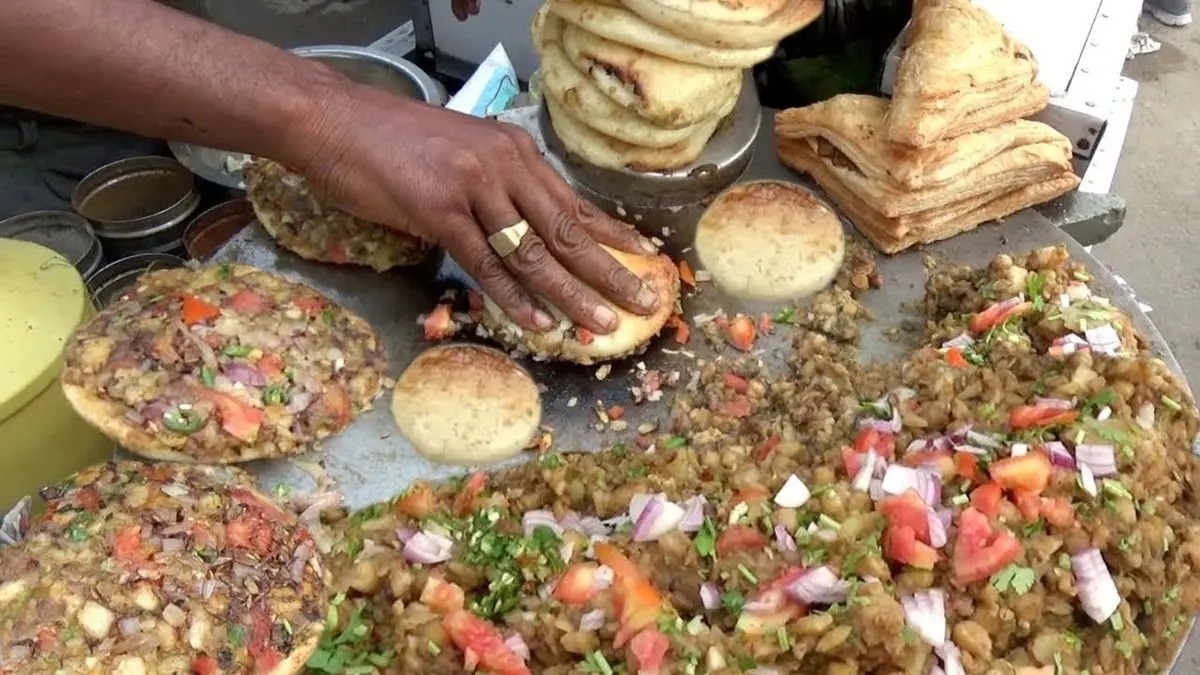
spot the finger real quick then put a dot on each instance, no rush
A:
(466, 242)
(568, 242)
(537, 269)
(459, 7)
(474, 7)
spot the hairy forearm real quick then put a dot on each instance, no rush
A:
(140, 67)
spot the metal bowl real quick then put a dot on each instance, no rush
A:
(363, 65)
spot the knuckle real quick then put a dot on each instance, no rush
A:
(468, 165)
(521, 139)
(531, 257)
(567, 236)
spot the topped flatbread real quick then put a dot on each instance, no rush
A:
(291, 214)
(140, 568)
(222, 364)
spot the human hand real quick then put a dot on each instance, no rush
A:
(456, 179)
(465, 9)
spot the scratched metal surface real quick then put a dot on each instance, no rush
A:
(371, 461)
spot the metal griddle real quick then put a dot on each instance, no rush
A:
(371, 461)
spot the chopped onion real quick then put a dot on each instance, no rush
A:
(604, 578)
(693, 515)
(1019, 449)
(926, 613)
(946, 516)
(793, 494)
(862, 479)
(593, 620)
(428, 548)
(936, 669)
(1059, 455)
(639, 501)
(129, 626)
(1103, 339)
(942, 443)
(917, 445)
(589, 525)
(516, 644)
(983, 440)
(657, 518)
(540, 517)
(300, 559)
(1145, 416)
(1055, 403)
(971, 449)
(1088, 480)
(961, 341)
(298, 400)
(1097, 592)
(244, 373)
(1101, 459)
(818, 586)
(1105, 413)
(175, 490)
(951, 659)
(710, 596)
(937, 529)
(900, 479)
(875, 490)
(784, 539)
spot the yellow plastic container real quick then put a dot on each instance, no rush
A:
(42, 440)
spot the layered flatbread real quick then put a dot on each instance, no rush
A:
(959, 73)
(291, 214)
(610, 20)
(222, 364)
(745, 33)
(152, 568)
(568, 342)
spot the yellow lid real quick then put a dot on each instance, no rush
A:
(42, 300)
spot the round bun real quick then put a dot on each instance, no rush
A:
(567, 342)
(609, 19)
(299, 222)
(467, 405)
(667, 92)
(770, 240)
(606, 152)
(743, 34)
(582, 99)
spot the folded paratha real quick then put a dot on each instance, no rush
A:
(738, 28)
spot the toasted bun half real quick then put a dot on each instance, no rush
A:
(770, 240)
(467, 405)
(567, 342)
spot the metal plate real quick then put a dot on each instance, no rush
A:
(370, 461)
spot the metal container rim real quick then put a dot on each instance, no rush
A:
(96, 179)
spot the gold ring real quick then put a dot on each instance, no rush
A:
(509, 239)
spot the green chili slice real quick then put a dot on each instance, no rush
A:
(207, 378)
(275, 395)
(182, 420)
(236, 350)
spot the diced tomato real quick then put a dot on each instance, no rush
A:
(750, 495)
(251, 533)
(258, 505)
(966, 465)
(270, 365)
(615, 412)
(979, 552)
(578, 584)
(737, 407)
(852, 461)
(740, 538)
(335, 403)
(268, 661)
(997, 314)
(648, 650)
(1028, 503)
(736, 382)
(771, 606)
(686, 275)
(683, 332)
(908, 510)
(464, 503)
(87, 498)
(128, 544)
(481, 643)
(762, 452)
(622, 566)
(882, 442)
(442, 596)
(238, 418)
(1030, 416)
(1058, 511)
(901, 544)
(766, 324)
(336, 251)
(638, 605)
(310, 304)
(944, 460)
(417, 502)
(261, 628)
(197, 311)
(584, 336)
(739, 330)
(204, 665)
(247, 302)
(954, 356)
(438, 324)
(1031, 472)
(987, 499)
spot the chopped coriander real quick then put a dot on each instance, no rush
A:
(1127, 543)
(1064, 561)
(828, 523)
(1095, 402)
(347, 650)
(225, 271)
(787, 315)
(1124, 648)
(876, 410)
(366, 514)
(207, 378)
(1171, 596)
(236, 635)
(637, 471)
(987, 410)
(674, 442)
(745, 572)
(595, 662)
(1034, 528)
(1033, 286)
(327, 316)
(733, 601)
(706, 540)
(236, 350)
(1014, 578)
(1115, 488)
(77, 529)
(909, 635)
(670, 624)
(815, 556)
(550, 460)
(1171, 403)
(738, 512)
(1176, 624)
(746, 662)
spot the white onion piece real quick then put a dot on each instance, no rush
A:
(784, 539)
(875, 490)
(1097, 591)
(971, 449)
(818, 586)
(917, 445)
(657, 518)
(1088, 480)
(900, 479)
(862, 479)
(710, 596)
(1105, 413)
(428, 548)
(1055, 403)
(593, 620)
(516, 644)
(1019, 449)
(403, 534)
(983, 440)
(129, 626)
(1101, 459)
(961, 341)
(693, 515)
(951, 659)
(603, 579)
(540, 518)
(1103, 339)
(1145, 416)
(793, 494)
(926, 614)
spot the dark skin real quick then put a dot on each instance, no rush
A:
(140, 67)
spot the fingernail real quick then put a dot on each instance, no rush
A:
(542, 320)
(605, 317)
(647, 245)
(647, 298)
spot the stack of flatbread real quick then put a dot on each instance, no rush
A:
(644, 84)
(950, 150)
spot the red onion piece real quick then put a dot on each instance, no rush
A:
(783, 539)
(516, 644)
(901, 479)
(710, 597)
(1101, 459)
(951, 659)
(960, 341)
(884, 426)
(926, 614)
(942, 443)
(937, 529)
(936, 670)
(1145, 416)
(1097, 591)
(818, 586)
(428, 548)
(638, 502)
(946, 516)
(244, 373)
(657, 518)
(593, 620)
(1060, 456)
(531, 520)
(793, 494)
(917, 445)
(588, 525)
(1055, 403)
(693, 514)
